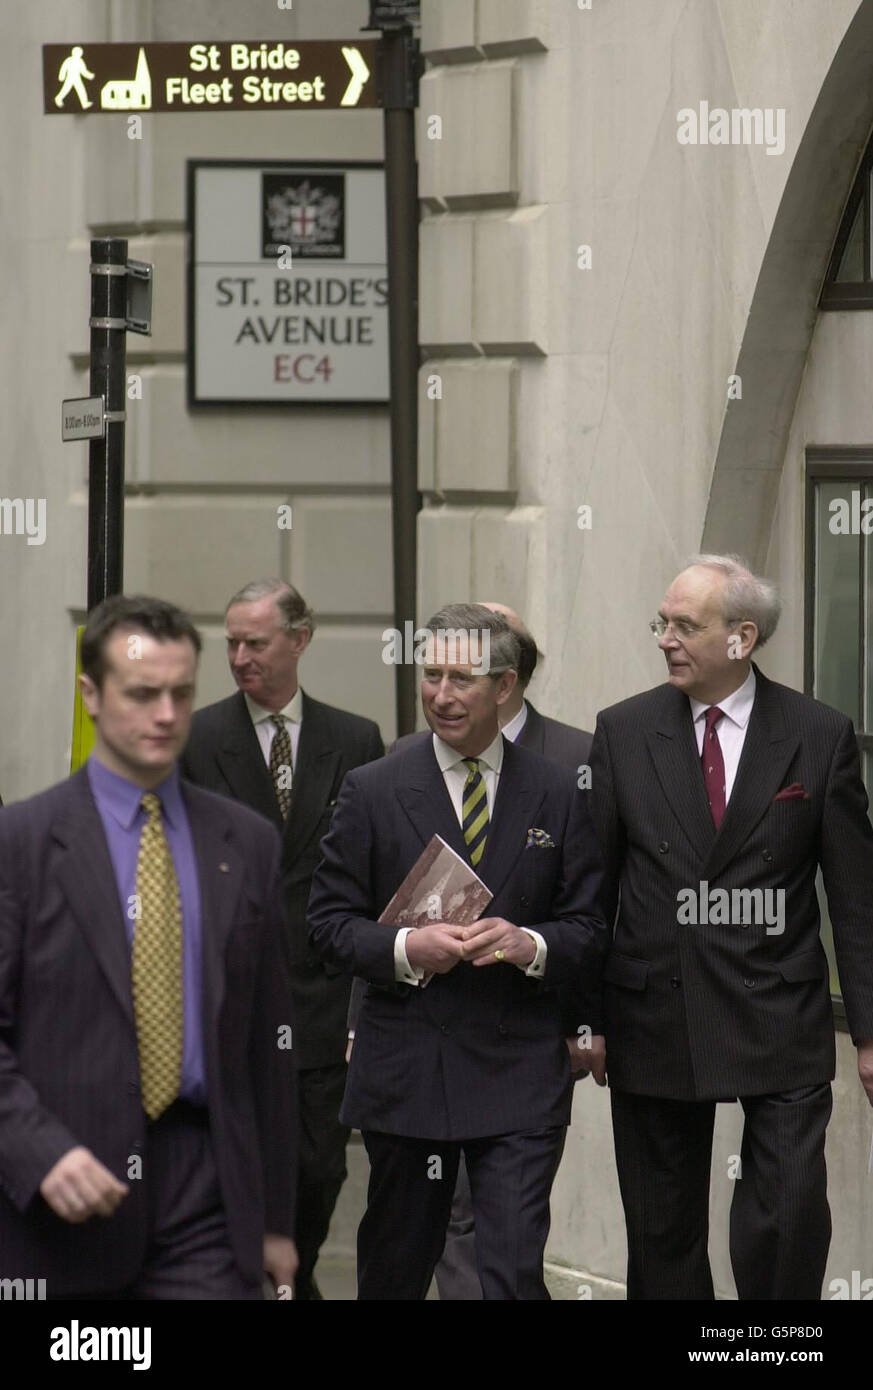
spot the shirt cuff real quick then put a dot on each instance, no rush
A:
(405, 973)
(537, 967)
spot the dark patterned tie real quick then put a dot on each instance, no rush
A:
(474, 812)
(713, 765)
(281, 769)
(156, 966)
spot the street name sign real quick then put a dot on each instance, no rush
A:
(249, 75)
(288, 283)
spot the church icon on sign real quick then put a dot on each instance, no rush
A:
(126, 94)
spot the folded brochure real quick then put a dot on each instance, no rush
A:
(440, 887)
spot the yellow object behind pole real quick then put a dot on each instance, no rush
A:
(83, 728)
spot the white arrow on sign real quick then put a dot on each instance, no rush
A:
(360, 74)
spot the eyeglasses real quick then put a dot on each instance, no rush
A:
(682, 628)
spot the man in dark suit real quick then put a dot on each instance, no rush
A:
(456, 1275)
(716, 797)
(284, 754)
(147, 1123)
(475, 1061)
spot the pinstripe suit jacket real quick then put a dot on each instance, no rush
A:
(713, 1010)
(480, 1051)
(69, 1062)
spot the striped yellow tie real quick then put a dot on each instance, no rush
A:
(474, 812)
(156, 966)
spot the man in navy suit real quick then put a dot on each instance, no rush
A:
(522, 724)
(476, 1061)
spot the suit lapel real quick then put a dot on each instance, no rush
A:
(515, 806)
(87, 878)
(220, 871)
(242, 762)
(673, 750)
(767, 752)
(314, 775)
(426, 801)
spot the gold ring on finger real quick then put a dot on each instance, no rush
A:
(499, 955)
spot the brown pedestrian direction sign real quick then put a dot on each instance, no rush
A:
(249, 75)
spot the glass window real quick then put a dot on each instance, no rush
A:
(839, 582)
(849, 279)
(851, 267)
(837, 670)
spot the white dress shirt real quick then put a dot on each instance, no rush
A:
(292, 714)
(455, 773)
(731, 730)
(513, 728)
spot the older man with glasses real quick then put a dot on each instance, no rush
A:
(716, 797)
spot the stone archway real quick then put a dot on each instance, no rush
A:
(775, 344)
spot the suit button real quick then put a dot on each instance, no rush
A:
(524, 902)
(767, 857)
(501, 1030)
(675, 982)
(443, 1028)
(132, 1088)
(663, 847)
(749, 982)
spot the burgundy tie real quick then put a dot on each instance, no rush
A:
(713, 765)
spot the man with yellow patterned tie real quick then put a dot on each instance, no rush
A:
(147, 1091)
(459, 1042)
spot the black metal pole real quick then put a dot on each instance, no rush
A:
(399, 73)
(106, 456)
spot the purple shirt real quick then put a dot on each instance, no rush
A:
(119, 803)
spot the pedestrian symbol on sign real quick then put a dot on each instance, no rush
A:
(70, 75)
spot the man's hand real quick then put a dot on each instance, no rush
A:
(865, 1066)
(280, 1260)
(436, 948)
(588, 1057)
(79, 1187)
(490, 934)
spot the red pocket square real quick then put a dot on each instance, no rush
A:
(793, 793)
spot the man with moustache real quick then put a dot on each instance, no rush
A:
(283, 753)
(722, 779)
(475, 1061)
(147, 1106)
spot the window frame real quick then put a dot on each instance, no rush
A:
(854, 463)
(850, 294)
